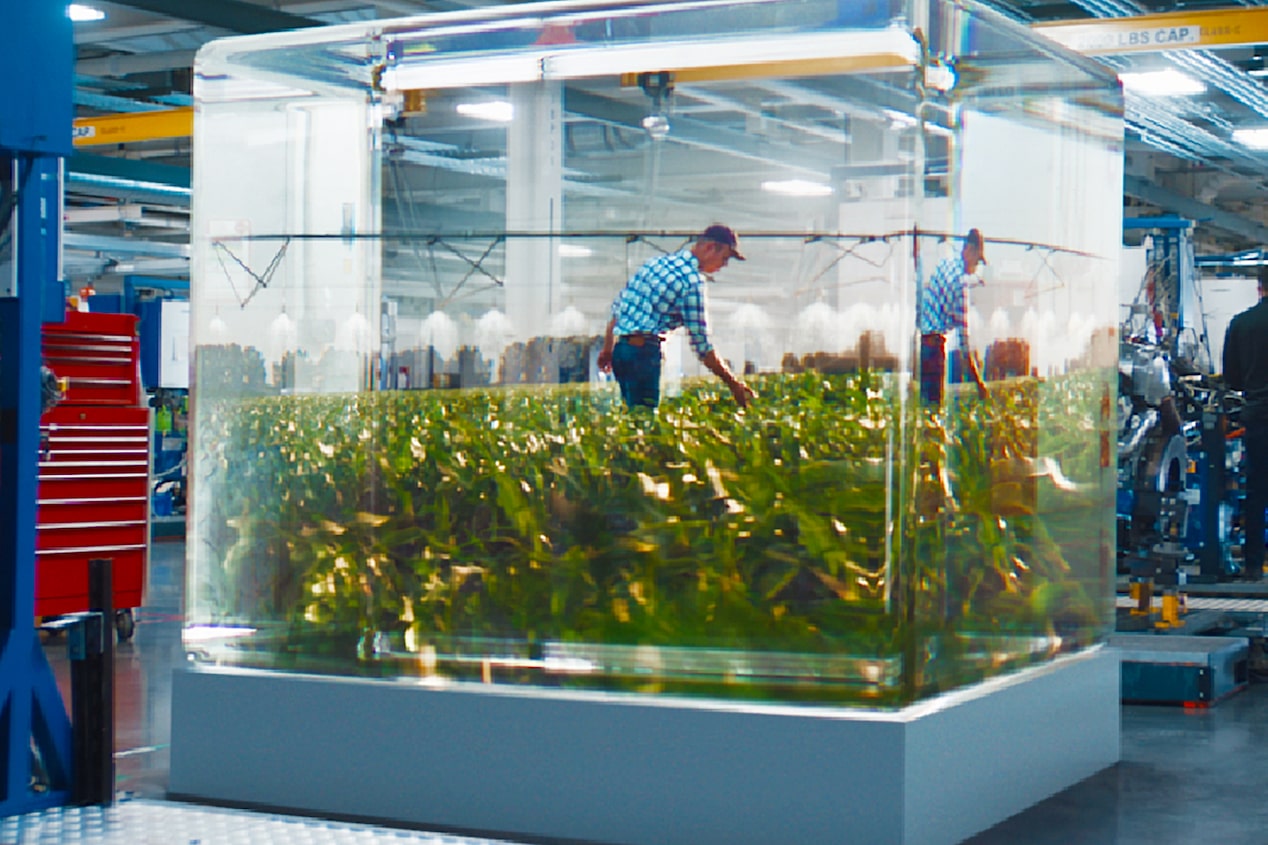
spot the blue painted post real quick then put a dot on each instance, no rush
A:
(26, 677)
(37, 56)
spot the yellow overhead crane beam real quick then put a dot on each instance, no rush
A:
(133, 127)
(1166, 31)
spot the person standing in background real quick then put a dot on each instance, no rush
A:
(1246, 369)
(665, 293)
(942, 310)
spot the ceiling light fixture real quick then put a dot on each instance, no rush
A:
(797, 188)
(1161, 83)
(496, 110)
(80, 13)
(574, 251)
(1253, 139)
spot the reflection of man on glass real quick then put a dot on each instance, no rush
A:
(943, 308)
(1246, 369)
(665, 293)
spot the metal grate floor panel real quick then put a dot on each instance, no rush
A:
(150, 822)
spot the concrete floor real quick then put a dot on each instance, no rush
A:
(1186, 776)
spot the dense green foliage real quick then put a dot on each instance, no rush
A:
(826, 520)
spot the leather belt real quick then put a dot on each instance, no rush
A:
(641, 339)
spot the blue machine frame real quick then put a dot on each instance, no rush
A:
(36, 44)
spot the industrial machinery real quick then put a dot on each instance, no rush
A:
(1178, 499)
(1174, 503)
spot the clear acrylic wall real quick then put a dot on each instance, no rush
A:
(408, 236)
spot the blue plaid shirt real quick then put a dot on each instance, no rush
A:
(665, 293)
(943, 306)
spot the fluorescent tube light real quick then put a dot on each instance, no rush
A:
(1161, 83)
(797, 188)
(1253, 139)
(574, 251)
(80, 13)
(496, 110)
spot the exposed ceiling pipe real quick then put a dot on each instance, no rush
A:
(1209, 215)
(123, 246)
(721, 101)
(1204, 65)
(125, 65)
(97, 185)
(1230, 79)
(164, 28)
(233, 15)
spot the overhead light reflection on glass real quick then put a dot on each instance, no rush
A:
(656, 126)
(1255, 139)
(1161, 83)
(205, 633)
(496, 110)
(80, 13)
(797, 188)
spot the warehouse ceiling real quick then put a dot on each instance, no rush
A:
(128, 203)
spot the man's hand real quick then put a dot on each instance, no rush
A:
(742, 392)
(976, 372)
(609, 341)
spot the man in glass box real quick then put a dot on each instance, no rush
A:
(942, 312)
(665, 293)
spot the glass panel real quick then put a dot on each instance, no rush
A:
(409, 459)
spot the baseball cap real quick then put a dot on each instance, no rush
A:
(975, 237)
(724, 235)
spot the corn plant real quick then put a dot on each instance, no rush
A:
(832, 518)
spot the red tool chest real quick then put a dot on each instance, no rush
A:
(94, 479)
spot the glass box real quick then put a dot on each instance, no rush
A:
(408, 238)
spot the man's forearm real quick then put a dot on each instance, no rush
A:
(741, 391)
(609, 340)
(716, 366)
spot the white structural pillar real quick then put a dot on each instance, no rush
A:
(534, 205)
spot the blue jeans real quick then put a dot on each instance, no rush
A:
(933, 367)
(637, 370)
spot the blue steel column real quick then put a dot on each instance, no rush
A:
(25, 674)
(36, 60)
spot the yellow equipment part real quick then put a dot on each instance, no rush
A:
(1187, 30)
(1171, 605)
(1142, 593)
(133, 127)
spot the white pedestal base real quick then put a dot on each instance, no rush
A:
(632, 770)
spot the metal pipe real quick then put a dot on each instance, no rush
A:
(127, 188)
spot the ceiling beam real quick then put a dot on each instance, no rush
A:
(1252, 231)
(233, 15)
(123, 65)
(167, 175)
(113, 34)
